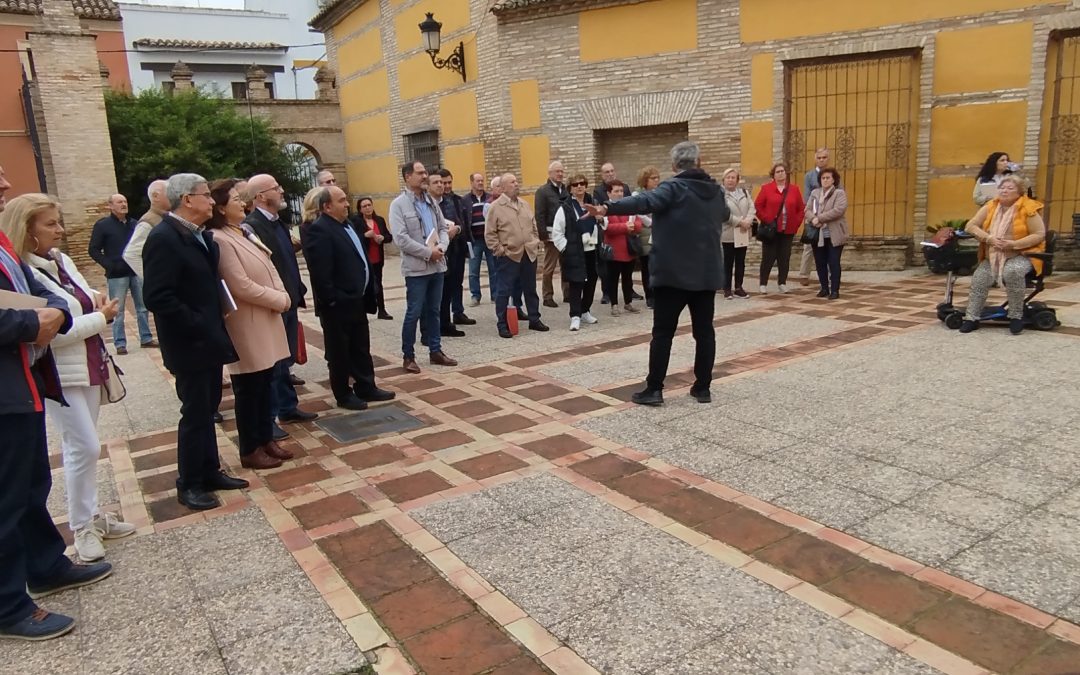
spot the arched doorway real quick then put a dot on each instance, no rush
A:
(305, 167)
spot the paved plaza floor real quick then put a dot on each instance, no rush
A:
(868, 493)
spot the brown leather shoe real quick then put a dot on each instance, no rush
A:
(441, 359)
(276, 451)
(409, 365)
(259, 460)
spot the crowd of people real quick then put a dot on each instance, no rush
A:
(217, 266)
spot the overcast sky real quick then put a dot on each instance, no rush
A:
(222, 4)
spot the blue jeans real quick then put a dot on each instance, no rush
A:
(481, 252)
(118, 289)
(283, 397)
(422, 298)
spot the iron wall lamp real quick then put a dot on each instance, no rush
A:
(431, 32)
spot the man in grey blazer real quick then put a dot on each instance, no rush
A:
(811, 181)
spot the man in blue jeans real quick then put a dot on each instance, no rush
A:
(476, 204)
(108, 240)
(420, 232)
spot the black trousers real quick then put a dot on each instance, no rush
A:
(777, 251)
(625, 270)
(734, 262)
(197, 458)
(827, 260)
(31, 548)
(347, 347)
(669, 304)
(453, 287)
(376, 275)
(254, 411)
(580, 295)
(602, 273)
(510, 274)
(645, 281)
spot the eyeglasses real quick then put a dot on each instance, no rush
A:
(200, 194)
(272, 189)
(581, 184)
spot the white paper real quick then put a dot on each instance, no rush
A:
(433, 238)
(12, 300)
(471, 254)
(227, 300)
(742, 237)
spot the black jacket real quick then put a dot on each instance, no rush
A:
(453, 208)
(25, 388)
(572, 258)
(360, 225)
(108, 240)
(339, 275)
(688, 212)
(547, 200)
(182, 288)
(284, 259)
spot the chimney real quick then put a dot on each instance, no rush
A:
(256, 84)
(182, 76)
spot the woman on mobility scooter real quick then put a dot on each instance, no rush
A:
(1007, 227)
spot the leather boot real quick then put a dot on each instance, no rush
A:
(259, 460)
(276, 451)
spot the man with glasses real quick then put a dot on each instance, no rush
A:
(182, 290)
(325, 178)
(268, 200)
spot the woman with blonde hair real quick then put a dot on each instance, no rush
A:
(32, 223)
(735, 235)
(648, 178)
(310, 209)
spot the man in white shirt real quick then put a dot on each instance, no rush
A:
(159, 206)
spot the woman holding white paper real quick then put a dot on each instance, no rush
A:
(32, 222)
(255, 327)
(735, 236)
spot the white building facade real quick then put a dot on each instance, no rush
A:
(220, 39)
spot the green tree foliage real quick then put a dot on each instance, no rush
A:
(155, 135)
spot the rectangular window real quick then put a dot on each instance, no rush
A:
(423, 147)
(239, 91)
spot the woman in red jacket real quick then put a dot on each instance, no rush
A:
(616, 231)
(781, 202)
(376, 233)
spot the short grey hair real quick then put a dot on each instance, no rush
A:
(685, 155)
(324, 198)
(155, 187)
(181, 184)
(1016, 179)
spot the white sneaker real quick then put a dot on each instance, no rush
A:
(88, 544)
(575, 323)
(783, 288)
(587, 317)
(615, 310)
(111, 527)
(761, 289)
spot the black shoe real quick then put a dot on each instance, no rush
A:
(702, 395)
(297, 415)
(464, 320)
(649, 303)
(636, 296)
(823, 293)
(198, 499)
(834, 296)
(376, 395)
(74, 577)
(604, 300)
(969, 326)
(385, 317)
(352, 403)
(649, 397)
(538, 326)
(121, 351)
(550, 302)
(223, 481)
(1016, 326)
(218, 419)
(296, 381)
(451, 332)
(505, 333)
(279, 433)
(522, 315)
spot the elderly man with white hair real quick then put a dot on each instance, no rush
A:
(183, 292)
(548, 199)
(159, 206)
(511, 234)
(325, 178)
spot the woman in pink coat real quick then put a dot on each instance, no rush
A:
(255, 326)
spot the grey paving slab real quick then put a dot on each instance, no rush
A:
(266, 605)
(929, 458)
(234, 565)
(161, 641)
(451, 520)
(705, 459)
(634, 431)
(1026, 486)
(762, 478)
(926, 538)
(972, 509)
(1066, 504)
(881, 480)
(581, 523)
(832, 505)
(534, 494)
(1048, 531)
(326, 650)
(715, 427)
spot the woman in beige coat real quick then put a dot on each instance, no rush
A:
(255, 326)
(825, 210)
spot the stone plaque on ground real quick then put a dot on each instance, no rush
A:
(358, 426)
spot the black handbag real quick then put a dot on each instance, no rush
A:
(766, 232)
(606, 252)
(810, 233)
(634, 245)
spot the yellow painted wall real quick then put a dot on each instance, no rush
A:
(960, 62)
(949, 198)
(535, 157)
(360, 53)
(525, 104)
(368, 134)
(463, 160)
(452, 14)
(762, 20)
(761, 81)
(458, 117)
(642, 29)
(363, 15)
(365, 93)
(417, 77)
(378, 174)
(756, 148)
(966, 134)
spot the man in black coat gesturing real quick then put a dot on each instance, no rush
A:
(180, 261)
(344, 296)
(686, 265)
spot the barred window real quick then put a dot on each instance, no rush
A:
(423, 147)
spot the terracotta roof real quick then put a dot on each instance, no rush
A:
(169, 43)
(86, 9)
(327, 7)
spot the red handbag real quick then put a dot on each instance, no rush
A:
(301, 345)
